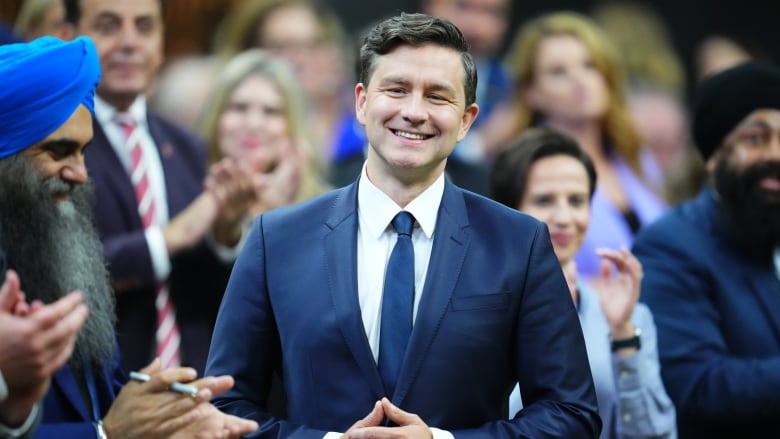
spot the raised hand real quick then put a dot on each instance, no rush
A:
(234, 188)
(279, 184)
(619, 289)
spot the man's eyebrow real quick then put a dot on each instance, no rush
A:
(433, 86)
(64, 143)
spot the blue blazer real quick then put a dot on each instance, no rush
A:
(495, 310)
(66, 415)
(197, 279)
(718, 320)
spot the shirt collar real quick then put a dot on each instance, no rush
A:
(105, 113)
(378, 209)
(777, 261)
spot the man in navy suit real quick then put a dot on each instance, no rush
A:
(50, 241)
(488, 301)
(187, 246)
(712, 265)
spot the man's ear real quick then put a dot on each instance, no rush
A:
(469, 116)
(360, 103)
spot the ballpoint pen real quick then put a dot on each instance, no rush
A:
(174, 387)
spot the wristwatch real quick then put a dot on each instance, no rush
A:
(632, 342)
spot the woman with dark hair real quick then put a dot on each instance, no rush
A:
(547, 175)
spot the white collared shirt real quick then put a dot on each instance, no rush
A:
(106, 116)
(375, 241)
(777, 262)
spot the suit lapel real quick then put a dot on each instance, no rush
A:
(447, 255)
(66, 382)
(766, 286)
(103, 159)
(341, 252)
(171, 167)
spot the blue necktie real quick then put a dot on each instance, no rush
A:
(397, 303)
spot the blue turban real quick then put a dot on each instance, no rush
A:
(44, 82)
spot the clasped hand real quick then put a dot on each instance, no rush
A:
(409, 425)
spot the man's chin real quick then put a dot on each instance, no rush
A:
(66, 207)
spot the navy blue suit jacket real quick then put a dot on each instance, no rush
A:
(495, 310)
(197, 279)
(718, 319)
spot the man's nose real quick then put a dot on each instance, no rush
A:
(75, 171)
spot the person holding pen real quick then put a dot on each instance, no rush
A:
(49, 239)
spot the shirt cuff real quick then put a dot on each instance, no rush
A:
(224, 253)
(161, 261)
(332, 435)
(441, 434)
(13, 433)
(627, 372)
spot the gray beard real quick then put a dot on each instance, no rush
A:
(54, 248)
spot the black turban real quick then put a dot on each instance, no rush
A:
(727, 97)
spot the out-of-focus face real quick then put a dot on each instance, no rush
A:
(483, 22)
(294, 34)
(746, 172)
(414, 110)
(52, 23)
(253, 126)
(558, 194)
(128, 35)
(755, 142)
(567, 87)
(662, 122)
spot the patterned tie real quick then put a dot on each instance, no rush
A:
(167, 334)
(397, 303)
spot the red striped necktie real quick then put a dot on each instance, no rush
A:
(167, 333)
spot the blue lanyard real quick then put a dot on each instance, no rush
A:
(92, 389)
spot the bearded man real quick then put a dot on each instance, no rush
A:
(50, 241)
(712, 265)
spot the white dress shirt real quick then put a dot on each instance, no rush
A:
(106, 116)
(375, 241)
(777, 262)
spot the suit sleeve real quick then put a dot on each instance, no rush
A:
(550, 359)
(246, 344)
(703, 378)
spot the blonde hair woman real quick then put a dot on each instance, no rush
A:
(254, 115)
(309, 36)
(569, 78)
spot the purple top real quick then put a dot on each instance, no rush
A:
(608, 227)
